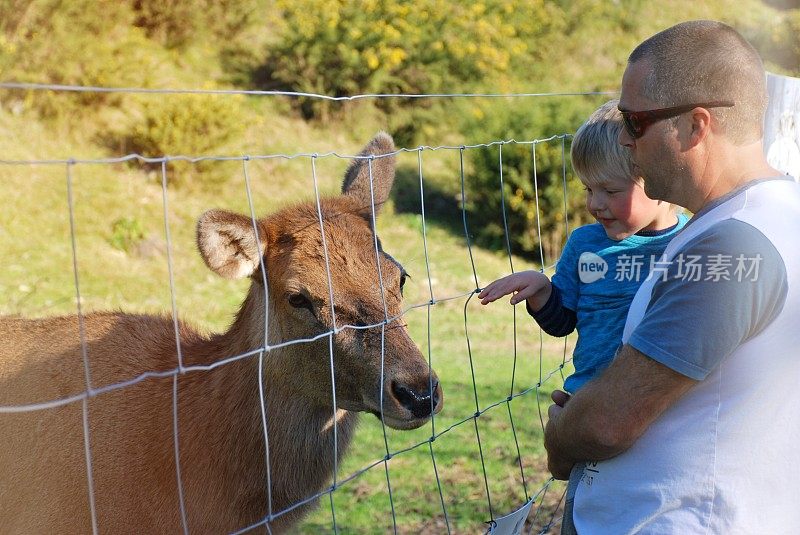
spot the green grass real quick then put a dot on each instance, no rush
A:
(38, 280)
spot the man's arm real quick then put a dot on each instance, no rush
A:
(691, 324)
(612, 411)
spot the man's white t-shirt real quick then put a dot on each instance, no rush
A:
(723, 309)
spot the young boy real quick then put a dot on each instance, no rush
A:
(602, 264)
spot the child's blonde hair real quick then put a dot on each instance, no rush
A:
(596, 153)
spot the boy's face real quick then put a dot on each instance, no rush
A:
(621, 206)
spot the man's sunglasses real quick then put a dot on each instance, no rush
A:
(636, 122)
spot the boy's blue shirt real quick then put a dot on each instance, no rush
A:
(597, 278)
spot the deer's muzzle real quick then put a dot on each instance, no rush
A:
(421, 403)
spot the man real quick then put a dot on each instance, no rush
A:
(695, 426)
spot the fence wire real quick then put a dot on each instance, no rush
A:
(28, 86)
(181, 368)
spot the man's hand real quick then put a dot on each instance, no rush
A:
(560, 397)
(610, 412)
(559, 466)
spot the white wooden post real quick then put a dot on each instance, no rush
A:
(782, 124)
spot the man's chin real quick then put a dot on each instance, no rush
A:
(649, 190)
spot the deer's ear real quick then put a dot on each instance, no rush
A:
(228, 243)
(357, 178)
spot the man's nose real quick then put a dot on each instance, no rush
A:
(625, 139)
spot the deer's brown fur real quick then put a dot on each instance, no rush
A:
(43, 481)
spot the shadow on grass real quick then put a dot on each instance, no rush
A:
(443, 209)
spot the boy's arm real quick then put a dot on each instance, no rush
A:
(538, 299)
(542, 300)
(553, 317)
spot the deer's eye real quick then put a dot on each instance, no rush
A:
(298, 300)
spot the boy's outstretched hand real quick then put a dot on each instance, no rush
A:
(531, 285)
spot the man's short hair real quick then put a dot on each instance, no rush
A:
(597, 156)
(701, 61)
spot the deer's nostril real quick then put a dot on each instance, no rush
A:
(419, 403)
(436, 395)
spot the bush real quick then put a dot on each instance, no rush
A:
(178, 24)
(345, 47)
(126, 233)
(779, 45)
(81, 42)
(187, 125)
(525, 122)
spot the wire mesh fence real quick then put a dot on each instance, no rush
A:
(500, 427)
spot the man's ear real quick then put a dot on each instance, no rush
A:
(700, 126)
(228, 243)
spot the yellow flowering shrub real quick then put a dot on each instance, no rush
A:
(347, 47)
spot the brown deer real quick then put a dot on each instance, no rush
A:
(222, 454)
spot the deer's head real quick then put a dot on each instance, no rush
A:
(374, 357)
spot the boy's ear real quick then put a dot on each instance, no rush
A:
(228, 243)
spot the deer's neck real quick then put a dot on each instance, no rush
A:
(306, 440)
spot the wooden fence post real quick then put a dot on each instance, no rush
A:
(782, 124)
